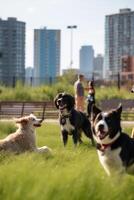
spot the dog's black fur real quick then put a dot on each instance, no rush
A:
(72, 122)
(115, 148)
(90, 102)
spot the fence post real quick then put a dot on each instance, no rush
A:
(118, 81)
(50, 80)
(22, 111)
(31, 81)
(14, 81)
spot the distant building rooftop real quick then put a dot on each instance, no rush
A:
(125, 10)
(121, 11)
(12, 18)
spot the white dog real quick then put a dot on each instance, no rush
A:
(24, 139)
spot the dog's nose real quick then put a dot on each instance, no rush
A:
(41, 120)
(59, 101)
(101, 127)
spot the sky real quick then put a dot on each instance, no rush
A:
(88, 15)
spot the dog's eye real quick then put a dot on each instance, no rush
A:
(33, 119)
(108, 120)
(99, 117)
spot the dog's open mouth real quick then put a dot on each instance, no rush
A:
(101, 134)
(37, 125)
(62, 107)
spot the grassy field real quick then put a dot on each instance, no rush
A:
(69, 174)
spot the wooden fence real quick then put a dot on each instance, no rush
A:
(47, 109)
(42, 109)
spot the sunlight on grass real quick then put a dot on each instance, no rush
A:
(69, 173)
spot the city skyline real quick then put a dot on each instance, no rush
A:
(58, 14)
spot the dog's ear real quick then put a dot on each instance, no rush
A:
(94, 112)
(32, 115)
(71, 101)
(56, 99)
(119, 109)
(21, 120)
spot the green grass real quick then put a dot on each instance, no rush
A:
(113, 92)
(48, 92)
(69, 174)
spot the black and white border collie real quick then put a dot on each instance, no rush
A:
(115, 148)
(72, 122)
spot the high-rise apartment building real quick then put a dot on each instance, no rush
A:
(98, 67)
(46, 55)
(12, 50)
(119, 40)
(86, 60)
(29, 76)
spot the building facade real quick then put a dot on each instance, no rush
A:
(98, 67)
(12, 51)
(119, 41)
(86, 61)
(47, 44)
(29, 74)
(127, 68)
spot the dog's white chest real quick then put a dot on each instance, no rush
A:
(67, 126)
(111, 161)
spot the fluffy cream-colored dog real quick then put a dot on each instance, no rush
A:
(24, 139)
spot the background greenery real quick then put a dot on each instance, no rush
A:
(63, 83)
(70, 173)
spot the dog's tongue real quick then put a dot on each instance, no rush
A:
(101, 134)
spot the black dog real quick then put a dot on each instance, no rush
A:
(115, 148)
(72, 122)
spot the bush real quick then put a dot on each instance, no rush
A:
(65, 83)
